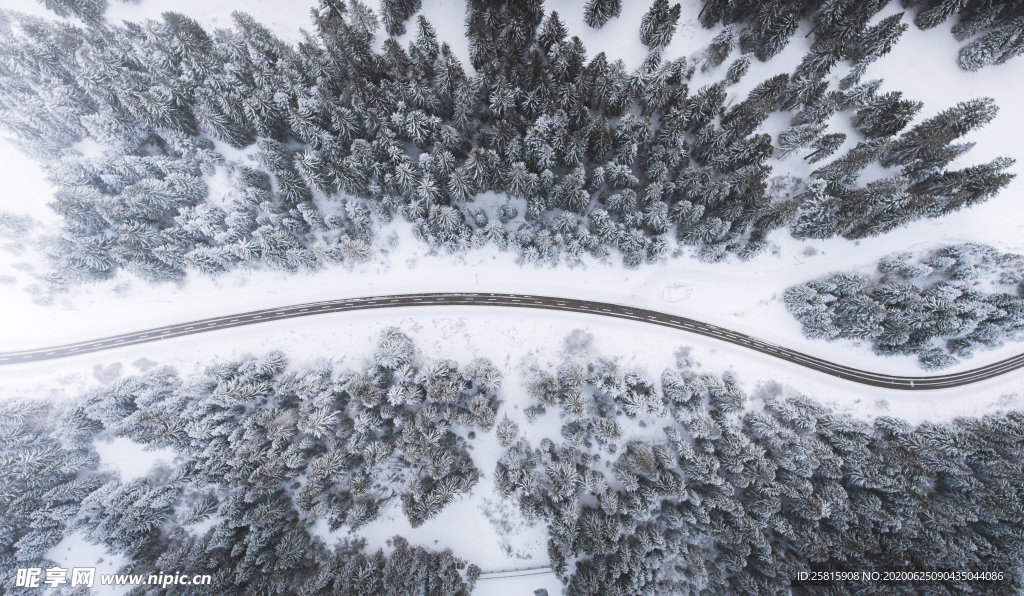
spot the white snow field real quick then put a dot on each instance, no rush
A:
(742, 296)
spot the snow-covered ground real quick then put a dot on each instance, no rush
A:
(741, 296)
(744, 297)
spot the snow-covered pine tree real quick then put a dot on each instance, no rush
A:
(719, 49)
(90, 11)
(771, 29)
(885, 115)
(878, 40)
(994, 47)
(659, 24)
(737, 69)
(598, 12)
(938, 132)
(394, 14)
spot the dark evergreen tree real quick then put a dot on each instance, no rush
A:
(825, 146)
(737, 69)
(797, 137)
(915, 148)
(773, 26)
(598, 12)
(885, 115)
(501, 30)
(659, 24)
(394, 14)
(719, 49)
(994, 47)
(877, 40)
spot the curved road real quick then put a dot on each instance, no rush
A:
(522, 301)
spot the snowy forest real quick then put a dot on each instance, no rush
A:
(321, 143)
(993, 30)
(950, 302)
(696, 488)
(262, 453)
(734, 499)
(402, 294)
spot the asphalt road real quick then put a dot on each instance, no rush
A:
(530, 571)
(522, 301)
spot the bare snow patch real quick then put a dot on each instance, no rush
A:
(75, 550)
(676, 293)
(130, 459)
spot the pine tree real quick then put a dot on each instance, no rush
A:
(598, 12)
(394, 13)
(819, 61)
(825, 146)
(507, 432)
(844, 171)
(818, 215)
(994, 47)
(885, 115)
(773, 26)
(659, 24)
(963, 188)
(939, 131)
(719, 49)
(821, 110)
(90, 11)
(937, 12)
(877, 41)
(737, 69)
(797, 137)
